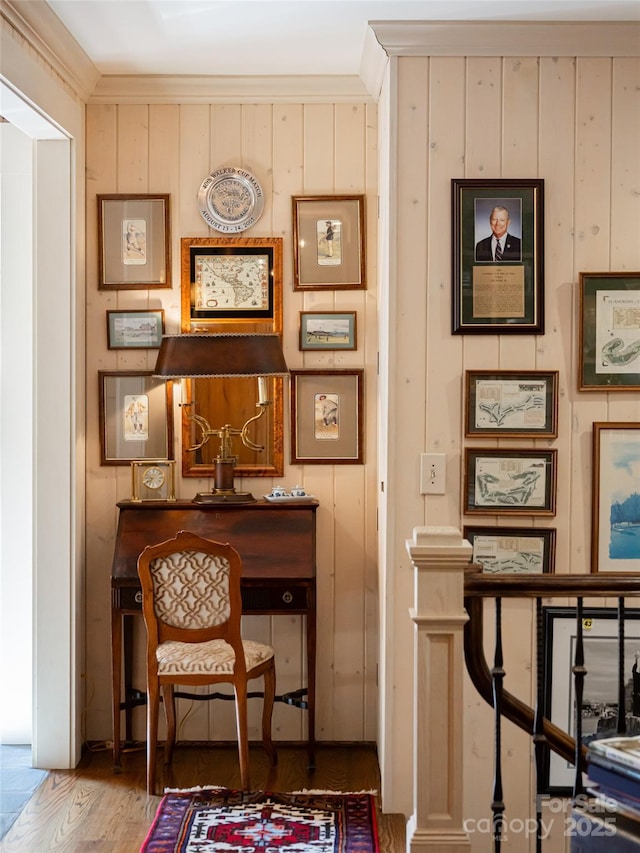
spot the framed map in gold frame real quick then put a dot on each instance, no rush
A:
(231, 280)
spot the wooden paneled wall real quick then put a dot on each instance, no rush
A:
(293, 149)
(575, 122)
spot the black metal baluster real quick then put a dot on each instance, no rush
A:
(621, 728)
(579, 672)
(497, 677)
(539, 737)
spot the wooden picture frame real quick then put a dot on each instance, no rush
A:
(601, 660)
(493, 296)
(231, 280)
(326, 417)
(513, 550)
(135, 329)
(615, 520)
(329, 242)
(134, 245)
(327, 330)
(509, 482)
(511, 403)
(609, 338)
(135, 416)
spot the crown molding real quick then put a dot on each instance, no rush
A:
(209, 89)
(373, 64)
(504, 38)
(47, 35)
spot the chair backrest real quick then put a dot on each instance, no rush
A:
(191, 590)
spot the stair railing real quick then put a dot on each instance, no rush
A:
(448, 616)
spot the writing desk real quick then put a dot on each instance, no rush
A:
(277, 543)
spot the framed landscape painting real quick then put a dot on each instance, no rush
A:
(615, 528)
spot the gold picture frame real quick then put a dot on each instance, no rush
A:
(329, 242)
(135, 416)
(134, 246)
(326, 417)
(232, 281)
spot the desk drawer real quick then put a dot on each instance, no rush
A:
(254, 599)
(127, 597)
(272, 599)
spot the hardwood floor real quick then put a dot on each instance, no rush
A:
(93, 810)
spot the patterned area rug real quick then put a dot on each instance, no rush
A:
(220, 819)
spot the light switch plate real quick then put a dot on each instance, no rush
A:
(433, 473)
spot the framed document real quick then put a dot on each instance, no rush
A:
(498, 258)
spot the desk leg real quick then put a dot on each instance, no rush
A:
(311, 678)
(116, 680)
(127, 626)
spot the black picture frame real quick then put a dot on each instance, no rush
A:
(509, 482)
(513, 550)
(511, 403)
(600, 695)
(489, 296)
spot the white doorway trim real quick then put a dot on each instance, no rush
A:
(37, 354)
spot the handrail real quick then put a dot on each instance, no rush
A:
(611, 584)
(478, 586)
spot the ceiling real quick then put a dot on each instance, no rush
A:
(277, 37)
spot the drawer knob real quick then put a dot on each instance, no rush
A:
(287, 597)
(138, 598)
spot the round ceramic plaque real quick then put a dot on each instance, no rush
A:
(230, 200)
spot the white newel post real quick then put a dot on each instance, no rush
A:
(440, 558)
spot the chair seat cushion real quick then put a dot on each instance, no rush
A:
(215, 657)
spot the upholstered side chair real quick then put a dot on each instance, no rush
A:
(191, 602)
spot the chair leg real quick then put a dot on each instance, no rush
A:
(152, 733)
(267, 712)
(243, 733)
(170, 715)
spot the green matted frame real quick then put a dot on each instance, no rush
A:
(504, 297)
(609, 335)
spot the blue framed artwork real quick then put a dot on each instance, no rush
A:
(615, 528)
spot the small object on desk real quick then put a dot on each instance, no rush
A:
(288, 498)
(153, 480)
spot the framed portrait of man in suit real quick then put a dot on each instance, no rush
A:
(498, 259)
